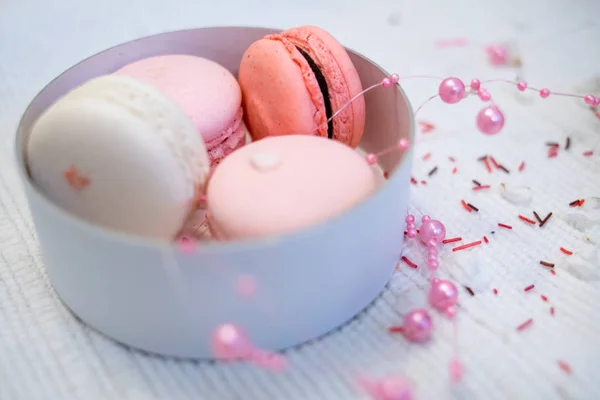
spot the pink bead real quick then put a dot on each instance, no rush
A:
(411, 233)
(442, 294)
(544, 93)
(490, 120)
(596, 101)
(403, 144)
(432, 230)
(410, 219)
(395, 78)
(230, 342)
(433, 265)
(456, 370)
(484, 95)
(475, 84)
(388, 388)
(497, 55)
(416, 325)
(425, 218)
(270, 361)
(386, 82)
(522, 86)
(187, 245)
(371, 158)
(432, 251)
(432, 243)
(432, 257)
(450, 312)
(589, 99)
(451, 90)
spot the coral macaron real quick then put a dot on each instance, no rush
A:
(293, 82)
(284, 183)
(206, 92)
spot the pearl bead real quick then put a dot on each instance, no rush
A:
(442, 294)
(522, 86)
(432, 230)
(590, 100)
(411, 233)
(425, 218)
(395, 78)
(416, 325)
(451, 90)
(475, 84)
(432, 257)
(433, 265)
(456, 370)
(484, 95)
(386, 82)
(544, 93)
(432, 243)
(490, 120)
(371, 158)
(410, 219)
(394, 388)
(596, 101)
(230, 342)
(403, 144)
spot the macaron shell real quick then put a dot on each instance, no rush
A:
(342, 79)
(306, 180)
(207, 92)
(141, 158)
(280, 92)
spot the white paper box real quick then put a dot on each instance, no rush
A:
(152, 297)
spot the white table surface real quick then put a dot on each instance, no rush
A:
(46, 353)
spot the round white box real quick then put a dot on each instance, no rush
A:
(151, 296)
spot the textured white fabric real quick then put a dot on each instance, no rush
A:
(46, 353)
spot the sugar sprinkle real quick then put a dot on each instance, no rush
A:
(547, 264)
(410, 263)
(466, 246)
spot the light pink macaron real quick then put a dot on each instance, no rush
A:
(207, 93)
(281, 184)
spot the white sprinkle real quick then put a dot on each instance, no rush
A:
(265, 161)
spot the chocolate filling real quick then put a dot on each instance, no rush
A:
(324, 89)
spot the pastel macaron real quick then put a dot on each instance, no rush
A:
(285, 183)
(120, 154)
(206, 92)
(293, 82)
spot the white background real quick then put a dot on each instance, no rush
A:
(45, 353)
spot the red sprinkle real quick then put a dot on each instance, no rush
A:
(564, 366)
(410, 263)
(423, 182)
(487, 165)
(485, 239)
(454, 170)
(522, 166)
(552, 311)
(544, 297)
(552, 151)
(452, 159)
(456, 239)
(496, 165)
(481, 187)
(505, 226)
(395, 329)
(466, 206)
(525, 325)
(495, 291)
(553, 272)
(468, 245)
(529, 221)
(386, 175)
(588, 153)
(427, 156)
(567, 252)
(426, 126)
(528, 288)
(413, 181)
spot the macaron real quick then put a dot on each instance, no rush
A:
(281, 184)
(120, 154)
(206, 92)
(293, 82)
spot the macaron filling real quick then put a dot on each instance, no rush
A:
(324, 89)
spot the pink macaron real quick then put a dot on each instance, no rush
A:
(284, 183)
(207, 93)
(293, 82)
